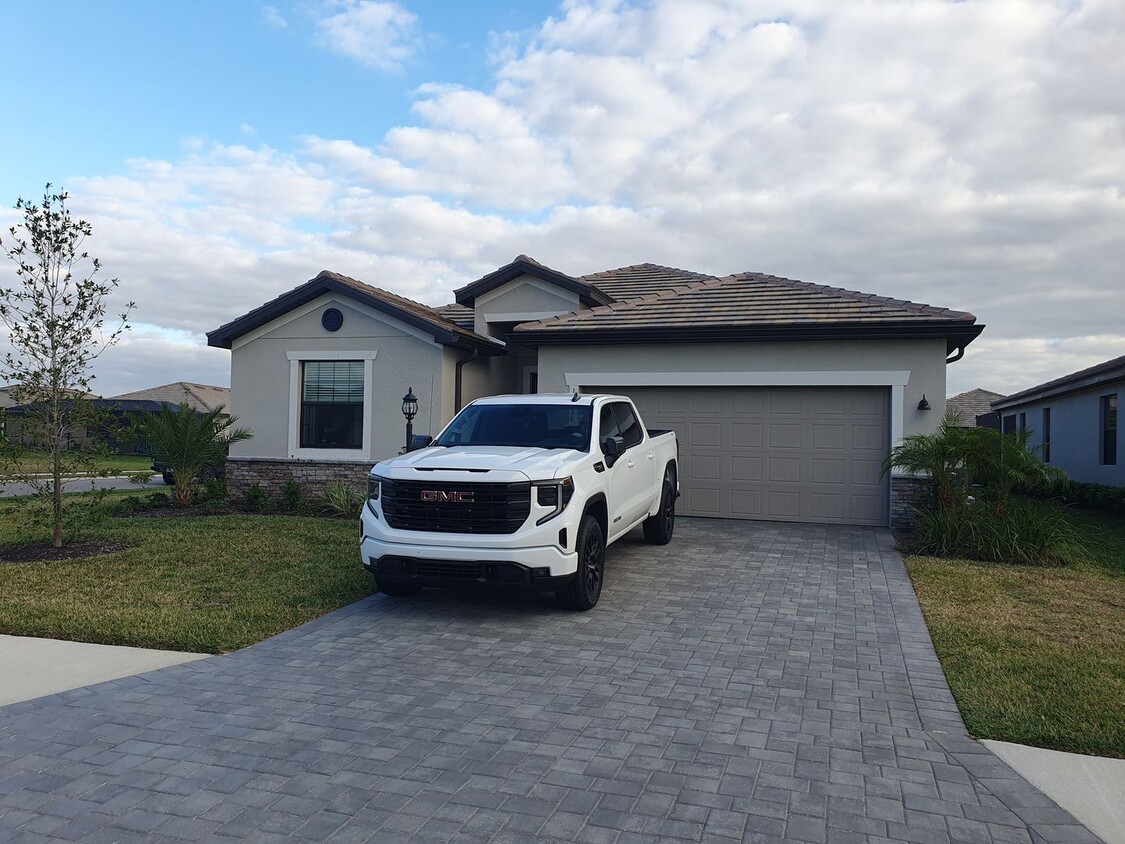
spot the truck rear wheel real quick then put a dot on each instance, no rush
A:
(397, 590)
(586, 588)
(658, 528)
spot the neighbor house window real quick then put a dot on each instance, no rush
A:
(1046, 435)
(1023, 421)
(1010, 424)
(1109, 430)
(332, 404)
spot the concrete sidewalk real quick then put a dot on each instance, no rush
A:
(1089, 787)
(31, 668)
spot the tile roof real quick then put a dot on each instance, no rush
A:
(746, 300)
(197, 396)
(460, 314)
(972, 404)
(641, 280)
(524, 265)
(1110, 370)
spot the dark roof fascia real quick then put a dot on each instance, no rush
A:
(587, 293)
(224, 336)
(1057, 390)
(956, 334)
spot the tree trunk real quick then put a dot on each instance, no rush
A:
(56, 478)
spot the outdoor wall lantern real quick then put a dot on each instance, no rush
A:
(409, 410)
(923, 404)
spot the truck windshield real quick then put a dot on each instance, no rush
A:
(521, 426)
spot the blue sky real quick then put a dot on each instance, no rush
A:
(102, 82)
(964, 154)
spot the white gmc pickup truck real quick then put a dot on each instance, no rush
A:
(520, 491)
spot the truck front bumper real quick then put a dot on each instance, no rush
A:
(433, 559)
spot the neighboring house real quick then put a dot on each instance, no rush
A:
(786, 396)
(974, 408)
(126, 407)
(202, 397)
(1074, 420)
(12, 427)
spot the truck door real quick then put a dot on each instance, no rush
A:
(618, 476)
(638, 460)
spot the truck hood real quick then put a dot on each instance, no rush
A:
(481, 463)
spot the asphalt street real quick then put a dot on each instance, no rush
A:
(84, 484)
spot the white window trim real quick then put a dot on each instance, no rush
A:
(295, 361)
(895, 379)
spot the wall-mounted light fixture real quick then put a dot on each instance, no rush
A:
(923, 404)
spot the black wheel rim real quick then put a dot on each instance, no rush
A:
(669, 509)
(592, 564)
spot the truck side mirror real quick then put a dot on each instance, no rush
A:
(420, 441)
(612, 448)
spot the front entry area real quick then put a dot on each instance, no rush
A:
(801, 454)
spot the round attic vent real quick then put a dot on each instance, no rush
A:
(332, 319)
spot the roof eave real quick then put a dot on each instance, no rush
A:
(224, 336)
(956, 334)
(1037, 394)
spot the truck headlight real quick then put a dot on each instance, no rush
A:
(374, 487)
(553, 494)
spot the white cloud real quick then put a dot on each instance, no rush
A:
(969, 155)
(376, 34)
(273, 17)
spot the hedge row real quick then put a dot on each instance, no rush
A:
(1099, 496)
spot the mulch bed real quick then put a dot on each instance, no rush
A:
(70, 551)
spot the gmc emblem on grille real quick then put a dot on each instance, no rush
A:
(442, 495)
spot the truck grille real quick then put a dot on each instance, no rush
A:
(494, 508)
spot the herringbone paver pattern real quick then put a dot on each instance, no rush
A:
(748, 682)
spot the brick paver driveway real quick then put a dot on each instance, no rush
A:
(750, 682)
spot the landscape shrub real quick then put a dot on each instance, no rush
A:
(291, 495)
(157, 500)
(342, 500)
(256, 499)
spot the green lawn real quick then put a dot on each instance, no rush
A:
(209, 584)
(1035, 655)
(30, 461)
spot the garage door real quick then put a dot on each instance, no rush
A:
(802, 454)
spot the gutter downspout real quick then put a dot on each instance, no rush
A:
(457, 379)
(960, 353)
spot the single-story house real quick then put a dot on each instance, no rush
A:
(786, 396)
(1074, 420)
(974, 408)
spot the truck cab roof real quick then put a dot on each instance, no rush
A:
(546, 398)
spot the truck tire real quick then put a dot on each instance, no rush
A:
(586, 588)
(658, 528)
(168, 477)
(397, 590)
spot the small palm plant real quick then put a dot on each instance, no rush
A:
(942, 456)
(189, 441)
(1001, 461)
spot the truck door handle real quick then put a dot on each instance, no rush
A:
(631, 464)
(651, 455)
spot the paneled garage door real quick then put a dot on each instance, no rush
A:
(804, 454)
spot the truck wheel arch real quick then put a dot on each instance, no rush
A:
(597, 508)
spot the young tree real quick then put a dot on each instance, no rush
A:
(55, 313)
(187, 442)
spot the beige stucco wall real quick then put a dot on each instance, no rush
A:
(924, 359)
(404, 358)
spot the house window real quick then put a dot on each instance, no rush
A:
(332, 404)
(1109, 429)
(1046, 435)
(1010, 424)
(1023, 421)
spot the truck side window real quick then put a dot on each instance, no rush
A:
(630, 427)
(608, 426)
